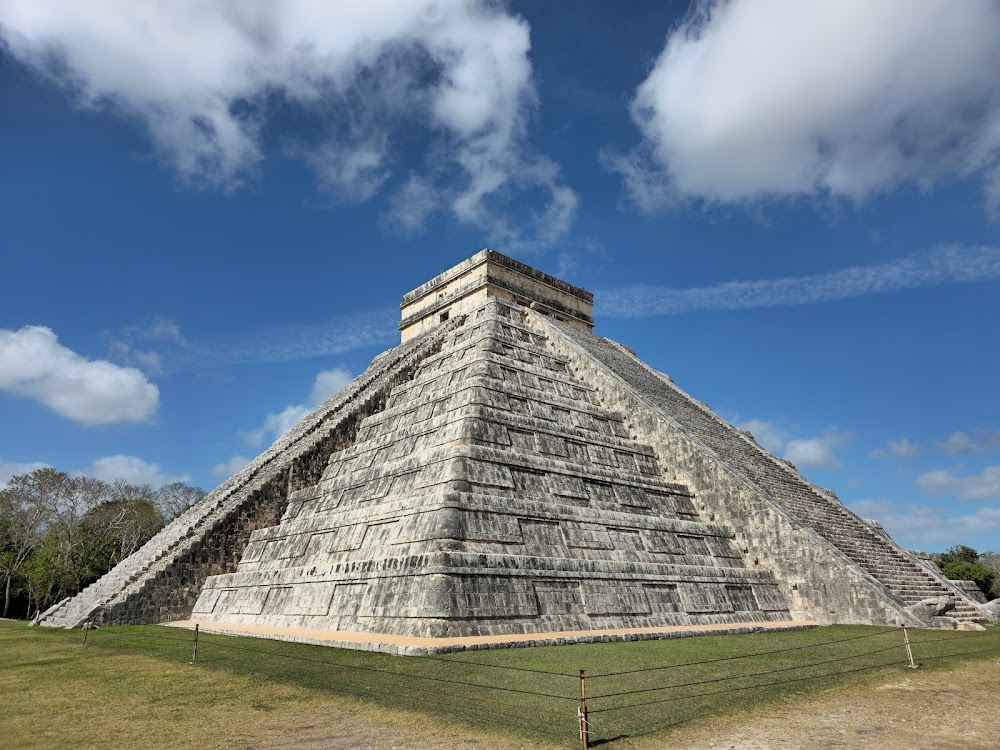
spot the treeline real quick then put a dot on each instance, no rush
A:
(963, 563)
(60, 533)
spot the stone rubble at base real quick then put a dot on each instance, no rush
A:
(504, 470)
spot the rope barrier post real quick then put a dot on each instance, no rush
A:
(582, 712)
(86, 629)
(909, 651)
(194, 654)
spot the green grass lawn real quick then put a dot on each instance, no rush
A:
(135, 686)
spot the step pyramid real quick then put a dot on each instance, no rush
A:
(504, 470)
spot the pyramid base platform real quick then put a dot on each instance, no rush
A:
(415, 646)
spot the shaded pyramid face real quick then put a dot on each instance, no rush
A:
(493, 494)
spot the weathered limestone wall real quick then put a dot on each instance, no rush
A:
(971, 589)
(506, 471)
(493, 494)
(820, 582)
(172, 592)
(465, 287)
(162, 580)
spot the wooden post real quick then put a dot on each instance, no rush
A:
(86, 629)
(194, 654)
(582, 713)
(909, 651)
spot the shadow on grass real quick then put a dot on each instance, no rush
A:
(533, 693)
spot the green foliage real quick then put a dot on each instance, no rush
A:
(60, 533)
(962, 563)
(960, 553)
(962, 571)
(992, 561)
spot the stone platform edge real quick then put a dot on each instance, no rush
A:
(414, 646)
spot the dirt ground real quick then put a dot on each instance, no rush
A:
(953, 708)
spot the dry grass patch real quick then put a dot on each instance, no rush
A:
(135, 686)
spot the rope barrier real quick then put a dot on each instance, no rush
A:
(951, 635)
(961, 653)
(745, 676)
(926, 639)
(748, 687)
(489, 701)
(494, 666)
(741, 656)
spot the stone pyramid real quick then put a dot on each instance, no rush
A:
(504, 470)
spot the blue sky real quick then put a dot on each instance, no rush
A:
(209, 212)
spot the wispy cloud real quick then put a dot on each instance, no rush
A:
(768, 435)
(806, 453)
(10, 469)
(817, 452)
(326, 384)
(961, 442)
(131, 469)
(902, 449)
(914, 525)
(148, 345)
(939, 265)
(982, 487)
(340, 334)
(222, 471)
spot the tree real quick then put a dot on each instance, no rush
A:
(116, 528)
(175, 498)
(962, 563)
(991, 560)
(21, 523)
(59, 533)
(961, 553)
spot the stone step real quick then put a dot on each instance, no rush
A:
(829, 518)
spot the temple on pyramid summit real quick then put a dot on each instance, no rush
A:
(503, 471)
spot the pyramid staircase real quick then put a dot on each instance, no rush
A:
(73, 612)
(161, 581)
(504, 471)
(876, 554)
(492, 495)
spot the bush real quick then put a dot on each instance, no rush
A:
(962, 563)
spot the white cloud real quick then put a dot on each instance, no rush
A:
(902, 449)
(222, 472)
(326, 384)
(961, 442)
(985, 486)
(131, 469)
(817, 452)
(915, 525)
(805, 453)
(203, 77)
(768, 435)
(939, 265)
(762, 98)
(10, 469)
(275, 424)
(34, 364)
